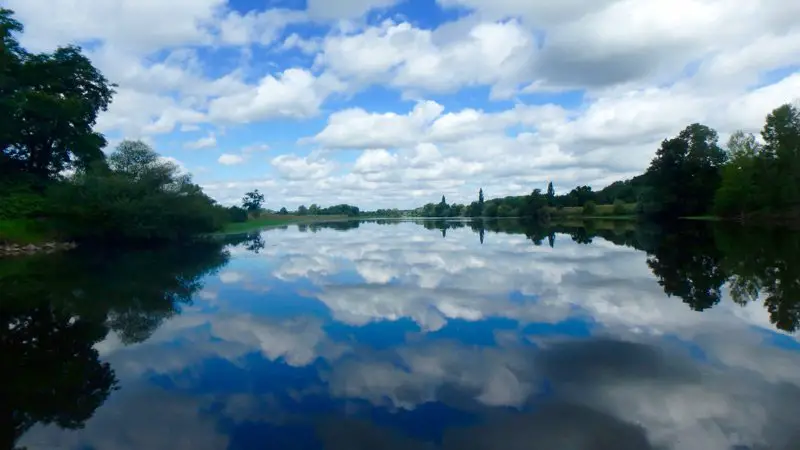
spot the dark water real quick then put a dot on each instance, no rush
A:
(400, 335)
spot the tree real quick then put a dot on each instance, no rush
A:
(738, 192)
(302, 210)
(442, 210)
(619, 208)
(253, 201)
(762, 181)
(50, 103)
(480, 197)
(781, 134)
(140, 197)
(589, 208)
(684, 175)
(283, 211)
(551, 194)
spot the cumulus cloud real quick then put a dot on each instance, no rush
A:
(294, 167)
(413, 59)
(229, 159)
(204, 142)
(295, 93)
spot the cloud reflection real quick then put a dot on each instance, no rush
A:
(653, 373)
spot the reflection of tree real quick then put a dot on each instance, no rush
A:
(343, 225)
(687, 265)
(54, 308)
(53, 373)
(764, 263)
(253, 242)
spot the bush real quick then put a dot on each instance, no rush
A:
(115, 208)
(237, 214)
(138, 197)
(619, 208)
(589, 208)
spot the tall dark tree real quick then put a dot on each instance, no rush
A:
(684, 175)
(551, 194)
(480, 197)
(49, 105)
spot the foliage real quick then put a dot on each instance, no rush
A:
(253, 201)
(338, 210)
(237, 214)
(589, 208)
(684, 175)
(302, 210)
(50, 103)
(763, 181)
(283, 211)
(139, 198)
(620, 208)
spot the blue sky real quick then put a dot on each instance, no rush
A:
(394, 103)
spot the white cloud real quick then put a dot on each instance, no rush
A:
(307, 46)
(356, 128)
(412, 59)
(257, 27)
(294, 167)
(229, 159)
(141, 26)
(204, 142)
(344, 9)
(295, 93)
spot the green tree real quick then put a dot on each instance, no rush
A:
(684, 175)
(49, 106)
(480, 198)
(551, 194)
(283, 211)
(781, 134)
(738, 192)
(442, 209)
(619, 208)
(589, 208)
(302, 210)
(253, 200)
(140, 197)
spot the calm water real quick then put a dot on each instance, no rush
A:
(399, 335)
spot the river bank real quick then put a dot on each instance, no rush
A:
(277, 220)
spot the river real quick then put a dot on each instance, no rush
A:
(410, 334)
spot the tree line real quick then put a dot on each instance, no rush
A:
(252, 204)
(750, 180)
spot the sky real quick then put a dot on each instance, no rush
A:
(394, 103)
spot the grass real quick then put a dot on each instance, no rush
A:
(275, 220)
(600, 212)
(22, 231)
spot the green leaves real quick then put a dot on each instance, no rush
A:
(49, 103)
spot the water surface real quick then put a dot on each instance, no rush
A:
(395, 335)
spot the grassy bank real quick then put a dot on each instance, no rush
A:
(605, 212)
(23, 231)
(276, 220)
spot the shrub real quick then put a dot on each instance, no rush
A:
(619, 208)
(589, 208)
(237, 214)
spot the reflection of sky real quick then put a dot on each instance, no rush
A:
(392, 337)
